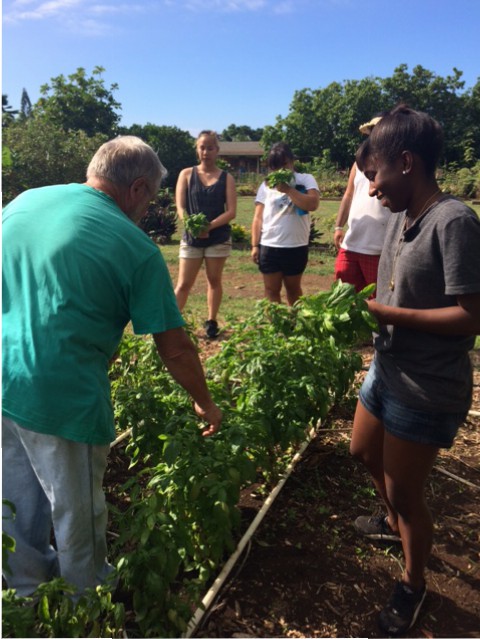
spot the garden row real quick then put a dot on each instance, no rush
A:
(177, 514)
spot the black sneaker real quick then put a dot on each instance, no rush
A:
(402, 610)
(376, 528)
(211, 328)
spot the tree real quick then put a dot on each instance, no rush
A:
(8, 113)
(80, 103)
(25, 105)
(174, 147)
(43, 153)
(471, 124)
(440, 97)
(327, 119)
(242, 133)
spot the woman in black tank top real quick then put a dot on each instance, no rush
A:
(209, 190)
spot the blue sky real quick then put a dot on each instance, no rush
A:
(199, 64)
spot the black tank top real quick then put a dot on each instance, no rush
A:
(211, 201)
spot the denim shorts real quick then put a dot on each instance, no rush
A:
(289, 261)
(433, 428)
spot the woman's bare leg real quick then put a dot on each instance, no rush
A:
(273, 286)
(407, 465)
(214, 269)
(187, 274)
(293, 287)
(367, 446)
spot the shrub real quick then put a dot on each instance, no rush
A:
(462, 182)
(160, 221)
(240, 234)
(246, 190)
(247, 183)
(331, 181)
(315, 235)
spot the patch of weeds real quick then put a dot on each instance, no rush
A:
(335, 539)
(364, 492)
(361, 553)
(343, 448)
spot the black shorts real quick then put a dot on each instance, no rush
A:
(289, 261)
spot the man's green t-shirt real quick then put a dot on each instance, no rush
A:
(76, 270)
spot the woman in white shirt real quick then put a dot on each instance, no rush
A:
(281, 227)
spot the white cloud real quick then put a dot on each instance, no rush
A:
(103, 9)
(224, 6)
(70, 12)
(90, 16)
(277, 7)
(37, 10)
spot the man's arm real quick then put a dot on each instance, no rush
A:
(180, 357)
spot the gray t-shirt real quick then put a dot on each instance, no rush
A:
(427, 266)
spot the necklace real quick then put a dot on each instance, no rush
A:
(391, 285)
(404, 228)
(425, 206)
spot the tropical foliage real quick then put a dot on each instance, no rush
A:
(321, 127)
(327, 119)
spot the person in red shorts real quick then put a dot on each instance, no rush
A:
(360, 247)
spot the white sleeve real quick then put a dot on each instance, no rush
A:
(261, 194)
(306, 180)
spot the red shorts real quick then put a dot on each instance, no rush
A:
(356, 268)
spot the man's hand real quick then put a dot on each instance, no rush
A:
(213, 416)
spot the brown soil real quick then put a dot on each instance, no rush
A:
(237, 285)
(307, 574)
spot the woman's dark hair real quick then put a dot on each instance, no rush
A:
(404, 129)
(280, 154)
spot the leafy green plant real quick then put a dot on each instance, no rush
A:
(240, 233)
(462, 182)
(52, 612)
(246, 189)
(8, 543)
(315, 234)
(196, 223)
(280, 176)
(280, 372)
(223, 164)
(285, 367)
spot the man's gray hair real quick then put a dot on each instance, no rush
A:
(124, 159)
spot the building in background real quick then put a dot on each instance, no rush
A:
(243, 157)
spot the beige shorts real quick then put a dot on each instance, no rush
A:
(216, 250)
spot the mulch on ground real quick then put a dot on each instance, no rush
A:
(305, 573)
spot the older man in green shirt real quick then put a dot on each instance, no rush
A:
(76, 270)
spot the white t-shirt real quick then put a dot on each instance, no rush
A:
(367, 220)
(283, 225)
